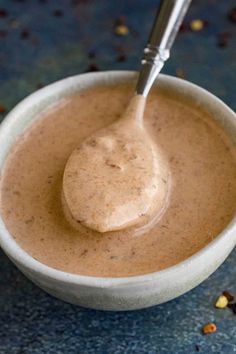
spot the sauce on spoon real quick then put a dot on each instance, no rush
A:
(117, 177)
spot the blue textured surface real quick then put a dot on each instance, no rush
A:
(36, 48)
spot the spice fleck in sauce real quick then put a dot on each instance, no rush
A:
(201, 203)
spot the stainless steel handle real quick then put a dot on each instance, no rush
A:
(166, 25)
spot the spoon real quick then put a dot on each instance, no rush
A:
(118, 177)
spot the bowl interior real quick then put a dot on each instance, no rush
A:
(30, 108)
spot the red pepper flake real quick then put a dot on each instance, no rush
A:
(120, 28)
(209, 328)
(58, 13)
(221, 302)
(39, 85)
(184, 27)
(121, 58)
(24, 34)
(232, 15)
(91, 68)
(222, 39)
(196, 25)
(2, 109)
(3, 13)
(120, 21)
(229, 296)
(222, 43)
(232, 306)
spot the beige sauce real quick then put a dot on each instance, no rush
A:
(201, 203)
(118, 177)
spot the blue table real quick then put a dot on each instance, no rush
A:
(43, 41)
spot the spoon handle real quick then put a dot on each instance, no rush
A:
(166, 25)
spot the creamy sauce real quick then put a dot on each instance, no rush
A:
(201, 203)
(118, 177)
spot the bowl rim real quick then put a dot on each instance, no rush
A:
(16, 253)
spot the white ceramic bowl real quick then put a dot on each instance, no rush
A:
(115, 293)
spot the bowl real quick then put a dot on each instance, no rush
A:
(133, 292)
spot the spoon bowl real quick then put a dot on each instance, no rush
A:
(118, 177)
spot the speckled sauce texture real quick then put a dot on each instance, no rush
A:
(202, 199)
(118, 177)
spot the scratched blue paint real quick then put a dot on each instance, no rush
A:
(32, 322)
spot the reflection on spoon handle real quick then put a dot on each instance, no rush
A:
(166, 25)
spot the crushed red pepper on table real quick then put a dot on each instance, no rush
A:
(226, 299)
(222, 39)
(120, 21)
(232, 306)
(196, 25)
(221, 302)
(232, 15)
(39, 85)
(209, 328)
(184, 27)
(229, 296)
(120, 28)
(24, 34)
(121, 58)
(91, 68)
(2, 109)
(58, 13)
(3, 13)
